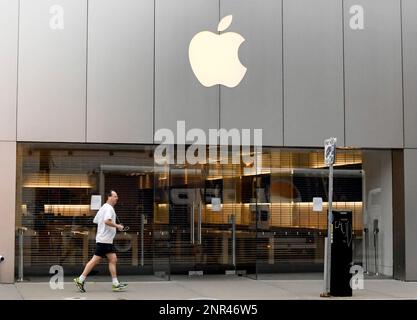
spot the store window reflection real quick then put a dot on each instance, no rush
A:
(210, 217)
(290, 234)
(55, 185)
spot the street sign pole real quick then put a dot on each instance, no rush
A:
(329, 156)
(329, 229)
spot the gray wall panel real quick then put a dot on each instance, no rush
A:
(257, 101)
(398, 214)
(8, 66)
(374, 113)
(410, 191)
(52, 72)
(409, 11)
(313, 72)
(178, 94)
(8, 210)
(377, 165)
(120, 71)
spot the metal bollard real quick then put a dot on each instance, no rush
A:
(233, 220)
(376, 252)
(376, 231)
(21, 231)
(366, 231)
(142, 245)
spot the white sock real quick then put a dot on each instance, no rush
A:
(82, 278)
(115, 281)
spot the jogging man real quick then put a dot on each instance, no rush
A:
(106, 230)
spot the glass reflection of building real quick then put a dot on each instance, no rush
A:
(211, 217)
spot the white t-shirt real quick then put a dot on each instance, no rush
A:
(105, 233)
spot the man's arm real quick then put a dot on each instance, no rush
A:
(110, 223)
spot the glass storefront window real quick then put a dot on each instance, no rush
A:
(290, 234)
(212, 217)
(55, 185)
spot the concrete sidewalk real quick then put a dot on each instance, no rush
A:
(208, 287)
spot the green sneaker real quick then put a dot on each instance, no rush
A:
(119, 287)
(79, 284)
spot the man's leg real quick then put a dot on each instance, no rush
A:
(79, 282)
(112, 264)
(117, 286)
(95, 260)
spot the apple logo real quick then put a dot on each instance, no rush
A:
(214, 57)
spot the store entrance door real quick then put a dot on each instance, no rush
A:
(202, 230)
(141, 249)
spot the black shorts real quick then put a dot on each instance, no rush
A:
(104, 248)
